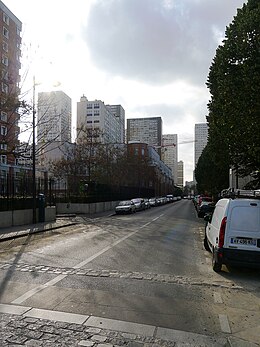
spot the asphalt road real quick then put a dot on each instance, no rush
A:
(149, 268)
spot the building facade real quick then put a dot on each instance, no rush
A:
(146, 130)
(201, 139)
(105, 121)
(53, 117)
(119, 114)
(180, 174)
(158, 177)
(10, 50)
(170, 153)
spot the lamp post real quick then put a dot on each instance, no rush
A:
(33, 156)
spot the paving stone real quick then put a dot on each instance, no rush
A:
(93, 330)
(32, 334)
(99, 338)
(30, 320)
(17, 339)
(33, 343)
(75, 327)
(48, 329)
(86, 343)
(49, 337)
(129, 336)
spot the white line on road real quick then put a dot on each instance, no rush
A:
(224, 324)
(218, 298)
(55, 280)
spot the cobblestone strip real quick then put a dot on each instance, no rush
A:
(159, 278)
(23, 331)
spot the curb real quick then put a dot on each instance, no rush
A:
(21, 233)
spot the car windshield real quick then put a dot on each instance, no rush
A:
(124, 203)
(136, 200)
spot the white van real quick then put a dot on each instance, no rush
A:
(232, 233)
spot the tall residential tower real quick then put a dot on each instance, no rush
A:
(201, 139)
(10, 50)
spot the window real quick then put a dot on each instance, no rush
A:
(89, 121)
(96, 121)
(3, 116)
(3, 146)
(89, 114)
(89, 106)
(5, 46)
(3, 130)
(6, 18)
(4, 88)
(96, 105)
(96, 113)
(3, 159)
(6, 33)
(4, 60)
(18, 31)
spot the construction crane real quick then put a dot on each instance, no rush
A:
(174, 144)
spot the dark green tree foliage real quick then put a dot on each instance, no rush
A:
(211, 174)
(234, 84)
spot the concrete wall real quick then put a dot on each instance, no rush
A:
(63, 208)
(23, 217)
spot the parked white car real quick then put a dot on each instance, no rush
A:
(232, 233)
(125, 206)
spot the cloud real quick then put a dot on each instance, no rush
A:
(157, 41)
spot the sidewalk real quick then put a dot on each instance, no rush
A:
(24, 230)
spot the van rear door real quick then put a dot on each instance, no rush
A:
(243, 225)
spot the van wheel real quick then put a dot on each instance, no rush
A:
(206, 245)
(216, 266)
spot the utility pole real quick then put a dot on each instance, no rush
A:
(33, 156)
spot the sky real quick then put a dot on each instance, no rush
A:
(150, 56)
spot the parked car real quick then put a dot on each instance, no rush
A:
(153, 202)
(169, 198)
(125, 206)
(205, 207)
(201, 199)
(147, 203)
(139, 204)
(232, 233)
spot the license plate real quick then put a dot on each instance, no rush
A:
(241, 241)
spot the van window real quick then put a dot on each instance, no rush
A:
(217, 216)
(245, 218)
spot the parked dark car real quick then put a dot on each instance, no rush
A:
(147, 203)
(125, 206)
(205, 207)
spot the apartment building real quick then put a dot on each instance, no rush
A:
(53, 117)
(180, 174)
(201, 139)
(105, 122)
(10, 51)
(147, 130)
(170, 153)
(53, 127)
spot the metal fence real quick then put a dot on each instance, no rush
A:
(16, 191)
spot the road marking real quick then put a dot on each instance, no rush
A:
(38, 289)
(218, 298)
(224, 324)
(57, 279)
